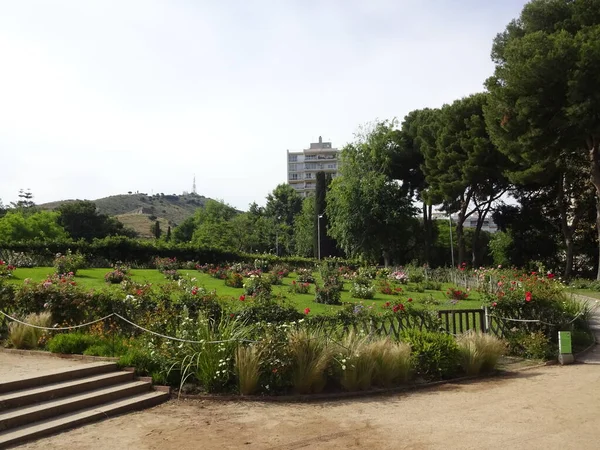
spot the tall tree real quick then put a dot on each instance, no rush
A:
(283, 204)
(304, 228)
(322, 242)
(369, 212)
(155, 229)
(544, 103)
(407, 165)
(82, 221)
(17, 226)
(463, 169)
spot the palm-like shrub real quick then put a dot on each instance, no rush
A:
(310, 356)
(479, 352)
(26, 337)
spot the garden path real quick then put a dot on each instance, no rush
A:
(548, 407)
(14, 366)
(592, 356)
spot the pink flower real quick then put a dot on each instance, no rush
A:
(306, 310)
(528, 296)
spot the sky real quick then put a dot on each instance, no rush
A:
(103, 97)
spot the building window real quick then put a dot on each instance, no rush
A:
(308, 176)
(310, 166)
(331, 166)
(293, 176)
(293, 158)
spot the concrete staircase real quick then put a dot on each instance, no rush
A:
(45, 404)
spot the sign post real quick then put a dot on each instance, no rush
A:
(565, 348)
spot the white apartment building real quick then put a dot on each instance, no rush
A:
(471, 222)
(304, 165)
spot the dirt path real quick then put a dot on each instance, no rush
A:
(543, 408)
(14, 366)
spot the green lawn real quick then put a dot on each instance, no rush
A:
(94, 278)
(586, 293)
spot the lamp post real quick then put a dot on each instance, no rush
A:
(319, 217)
(451, 244)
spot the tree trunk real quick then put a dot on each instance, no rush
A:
(460, 237)
(569, 263)
(386, 258)
(427, 232)
(567, 231)
(594, 159)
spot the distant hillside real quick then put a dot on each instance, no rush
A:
(141, 223)
(174, 209)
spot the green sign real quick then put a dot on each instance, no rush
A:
(564, 342)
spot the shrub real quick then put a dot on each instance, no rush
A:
(68, 263)
(234, 280)
(209, 363)
(281, 270)
(262, 265)
(388, 289)
(356, 363)
(72, 343)
(310, 357)
(115, 276)
(172, 275)
(163, 264)
(142, 359)
(258, 287)
(299, 288)
(392, 362)
(432, 285)
(305, 276)
(272, 278)
(361, 291)
(435, 355)
(247, 368)
(328, 295)
(26, 337)
(456, 294)
(534, 345)
(6, 270)
(479, 352)
(269, 313)
(400, 276)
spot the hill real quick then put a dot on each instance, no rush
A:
(174, 209)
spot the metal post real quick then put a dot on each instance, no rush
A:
(451, 244)
(319, 235)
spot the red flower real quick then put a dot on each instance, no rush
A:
(274, 370)
(398, 307)
(494, 304)
(231, 315)
(242, 298)
(306, 310)
(527, 296)
(387, 305)
(409, 300)
(550, 276)
(294, 282)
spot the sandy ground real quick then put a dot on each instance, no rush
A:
(14, 366)
(551, 407)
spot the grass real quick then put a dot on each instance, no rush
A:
(94, 278)
(585, 293)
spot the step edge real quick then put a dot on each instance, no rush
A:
(96, 413)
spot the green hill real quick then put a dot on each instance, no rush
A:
(172, 209)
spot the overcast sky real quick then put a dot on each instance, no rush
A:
(103, 97)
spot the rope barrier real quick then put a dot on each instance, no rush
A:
(56, 328)
(129, 322)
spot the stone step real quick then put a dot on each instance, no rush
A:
(70, 420)
(26, 415)
(47, 392)
(85, 370)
